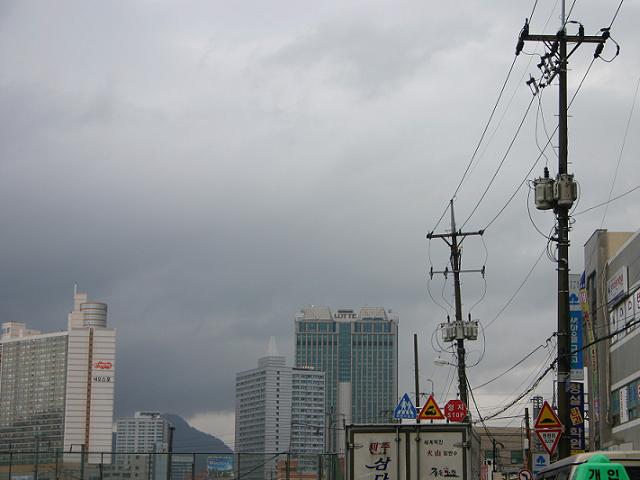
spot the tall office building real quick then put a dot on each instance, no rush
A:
(56, 389)
(359, 354)
(278, 409)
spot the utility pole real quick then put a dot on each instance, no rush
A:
(528, 462)
(459, 330)
(559, 194)
(417, 377)
(37, 437)
(170, 452)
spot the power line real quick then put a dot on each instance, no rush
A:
(486, 127)
(540, 155)
(607, 202)
(624, 142)
(552, 366)
(616, 14)
(506, 305)
(504, 157)
(517, 363)
(484, 132)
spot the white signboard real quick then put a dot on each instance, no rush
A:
(636, 296)
(613, 324)
(624, 405)
(617, 285)
(377, 456)
(441, 455)
(631, 310)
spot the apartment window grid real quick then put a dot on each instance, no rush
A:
(32, 392)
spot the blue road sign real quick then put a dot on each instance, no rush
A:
(540, 460)
(405, 409)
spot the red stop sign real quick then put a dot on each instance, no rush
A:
(455, 410)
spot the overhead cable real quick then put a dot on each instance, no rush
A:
(624, 142)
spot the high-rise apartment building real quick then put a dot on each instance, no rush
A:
(145, 432)
(278, 409)
(56, 389)
(359, 354)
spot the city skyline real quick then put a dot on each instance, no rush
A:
(210, 168)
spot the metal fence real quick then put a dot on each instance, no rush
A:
(43, 465)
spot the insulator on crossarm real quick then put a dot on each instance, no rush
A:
(598, 51)
(523, 33)
(533, 86)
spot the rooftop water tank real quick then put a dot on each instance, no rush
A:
(94, 314)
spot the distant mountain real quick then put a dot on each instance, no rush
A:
(187, 439)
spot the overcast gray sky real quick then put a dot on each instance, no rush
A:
(207, 168)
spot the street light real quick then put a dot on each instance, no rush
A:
(495, 451)
(431, 382)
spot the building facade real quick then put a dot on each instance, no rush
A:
(56, 389)
(145, 432)
(278, 409)
(359, 354)
(612, 304)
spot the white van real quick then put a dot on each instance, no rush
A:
(564, 469)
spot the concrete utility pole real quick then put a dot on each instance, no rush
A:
(416, 374)
(528, 463)
(560, 194)
(461, 330)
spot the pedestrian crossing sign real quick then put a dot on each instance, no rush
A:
(405, 409)
(431, 410)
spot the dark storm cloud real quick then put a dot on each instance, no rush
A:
(209, 170)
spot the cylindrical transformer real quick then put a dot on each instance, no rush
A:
(544, 193)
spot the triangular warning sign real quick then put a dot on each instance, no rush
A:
(549, 439)
(547, 418)
(431, 410)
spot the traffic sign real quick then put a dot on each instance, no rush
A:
(547, 418)
(455, 411)
(525, 474)
(549, 439)
(405, 409)
(540, 460)
(431, 410)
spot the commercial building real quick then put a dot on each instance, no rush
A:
(611, 303)
(56, 389)
(278, 409)
(503, 449)
(359, 354)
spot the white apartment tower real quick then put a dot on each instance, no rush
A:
(56, 389)
(145, 432)
(278, 408)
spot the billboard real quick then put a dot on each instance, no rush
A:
(576, 414)
(220, 463)
(575, 329)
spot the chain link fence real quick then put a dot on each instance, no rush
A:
(45, 465)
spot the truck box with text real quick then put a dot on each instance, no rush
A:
(423, 451)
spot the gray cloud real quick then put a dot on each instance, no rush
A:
(208, 170)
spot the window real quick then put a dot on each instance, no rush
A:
(516, 456)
